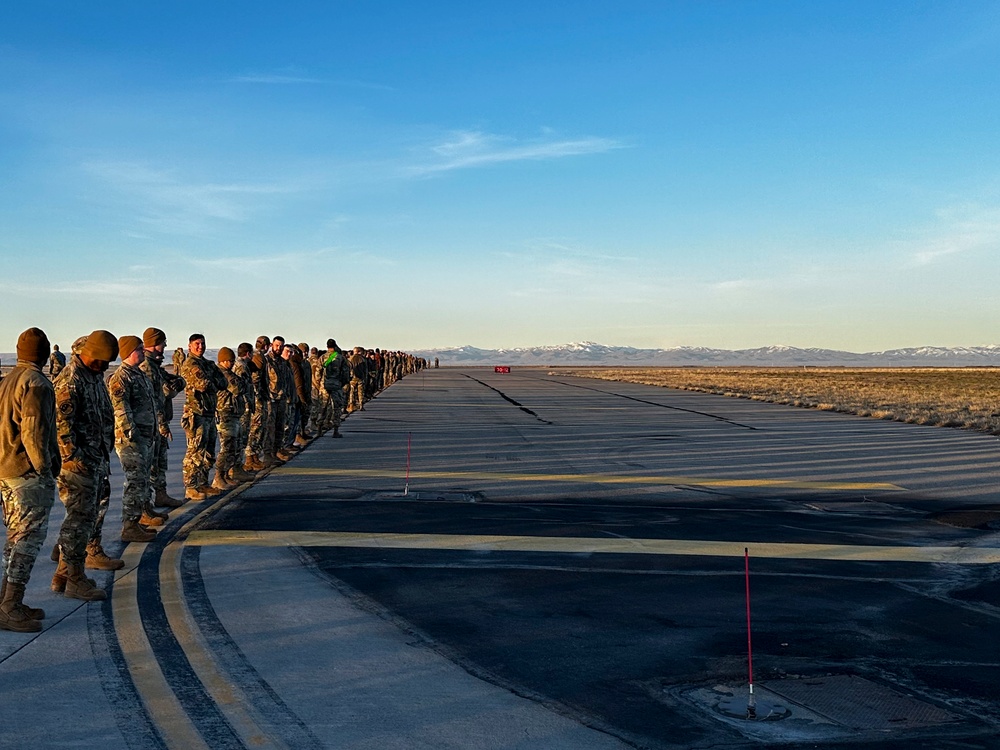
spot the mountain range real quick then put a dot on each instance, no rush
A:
(588, 353)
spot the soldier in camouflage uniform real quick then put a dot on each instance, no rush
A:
(279, 387)
(230, 406)
(85, 431)
(56, 362)
(29, 462)
(203, 380)
(261, 423)
(165, 386)
(359, 373)
(321, 415)
(336, 380)
(244, 369)
(135, 425)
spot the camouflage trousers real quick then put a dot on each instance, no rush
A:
(322, 411)
(356, 396)
(26, 504)
(229, 442)
(244, 438)
(136, 457)
(81, 495)
(199, 429)
(158, 463)
(275, 434)
(258, 429)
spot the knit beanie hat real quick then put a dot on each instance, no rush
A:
(101, 345)
(128, 344)
(226, 355)
(153, 337)
(33, 346)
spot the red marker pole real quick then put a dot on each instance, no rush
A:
(751, 703)
(406, 487)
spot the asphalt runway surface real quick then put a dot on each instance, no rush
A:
(536, 561)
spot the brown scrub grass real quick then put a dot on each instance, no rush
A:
(966, 398)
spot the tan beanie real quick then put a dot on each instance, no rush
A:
(152, 337)
(33, 346)
(226, 355)
(127, 345)
(101, 345)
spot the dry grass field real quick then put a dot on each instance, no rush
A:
(968, 398)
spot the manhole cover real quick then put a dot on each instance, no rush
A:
(858, 703)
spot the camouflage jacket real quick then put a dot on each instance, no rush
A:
(134, 403)
(165, 386)
(336, 371)
(202, 382)
(27, 424)
(279, 378)
(249, 389)
(85, 420)
(231, 400)
(262, 383)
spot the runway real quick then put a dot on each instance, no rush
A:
(527, 560)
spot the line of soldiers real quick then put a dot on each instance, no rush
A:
(259, 403)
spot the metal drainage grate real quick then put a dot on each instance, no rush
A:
(858, 703)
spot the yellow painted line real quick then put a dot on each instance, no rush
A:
(227, 696)
(172, 721)
(164, 709)
(586, 478)
(590, 545)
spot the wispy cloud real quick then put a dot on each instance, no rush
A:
(135, 291)
(959, 230)
(296, 76)
(266, 266)
(466, 149)
(161, 199)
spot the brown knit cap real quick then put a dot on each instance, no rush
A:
(127, 345)
(153, 337)
(226, 355)
(101, 345)
(33, 346)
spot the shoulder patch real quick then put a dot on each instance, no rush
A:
(66, 407)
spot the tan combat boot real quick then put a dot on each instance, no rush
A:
(35, 613)
(98, 559)
(62, 576)
(221, 483)
(133, 532)
(194, 494)
(238, 475)
(163, 500)
(78, 586)
(12, 614)
(149, 520)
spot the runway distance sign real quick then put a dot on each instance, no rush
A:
(501, 368)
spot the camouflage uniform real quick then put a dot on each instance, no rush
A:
(231, 405)
(241, 371)
(202, 380)
(29, 459)
(165, 387)
(336, 375)
(85, 431)
(135, 425)
(322, 406)
(57, 361)
(262, 420)
(278, 391)
(359, 373)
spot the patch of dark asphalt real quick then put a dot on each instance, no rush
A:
(508, 399)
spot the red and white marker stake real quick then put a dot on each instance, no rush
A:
(751, 703)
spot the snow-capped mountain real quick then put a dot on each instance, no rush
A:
(590, 353)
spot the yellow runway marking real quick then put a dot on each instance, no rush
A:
(589, 545)
(232, 701)
(164, 709)
(588, 478)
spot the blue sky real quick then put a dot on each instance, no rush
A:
(417, 175)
